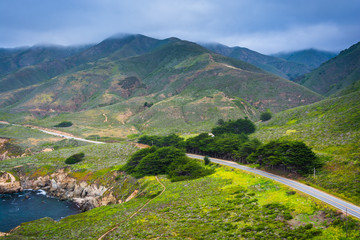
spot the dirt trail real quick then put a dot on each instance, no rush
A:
(117, 225)
(105, 117)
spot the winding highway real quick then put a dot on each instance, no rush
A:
(342, 205)
(325, 197)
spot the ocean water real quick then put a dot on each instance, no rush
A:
(31, 205)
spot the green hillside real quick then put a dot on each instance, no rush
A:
(228, 204)
(309, 57)
(16, 58)
(332, 128)
(44, 63)
(281, 67)
(335, 74)
(190, 89)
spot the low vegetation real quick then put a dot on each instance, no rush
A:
(97, 157)
(332, 129)
(78, 157)
(228, 204)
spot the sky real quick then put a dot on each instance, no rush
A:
(266, 26)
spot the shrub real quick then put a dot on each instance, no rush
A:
(148, 105)
(78, 157)
(206, 160)
(220, 122)
(265, 116)
(64, 124)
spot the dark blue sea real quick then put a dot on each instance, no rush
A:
(31, 205)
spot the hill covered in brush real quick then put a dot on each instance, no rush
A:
(335, 74)
(279, 66)
(310, 57)
(332, 128)
(186, 84)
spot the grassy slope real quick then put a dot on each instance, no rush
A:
(45, 63)
(332, 128)
(167, 70)
(225, 205)
(97, 157)
(26, 137)
(275, 65)
(309, 57)
(179, 77)
(335, 74)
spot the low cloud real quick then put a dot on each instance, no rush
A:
(261, 25)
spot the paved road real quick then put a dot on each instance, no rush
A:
(54, 133)
(67, 136)
(334, 201)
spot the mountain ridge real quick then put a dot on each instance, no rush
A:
(335, 74)
(275, 65)
(310, 57)
(186, 83)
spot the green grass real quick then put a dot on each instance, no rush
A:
(96, 157)
(226, 205)
(27, 138)
(332, 128)
(335, 74)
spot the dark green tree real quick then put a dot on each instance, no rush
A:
(237, 127)
(291, 155)
(158, 161)
(135, 159)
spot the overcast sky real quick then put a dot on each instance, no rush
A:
(266, 26)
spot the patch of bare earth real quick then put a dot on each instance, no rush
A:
(122, 117)
(318, 218)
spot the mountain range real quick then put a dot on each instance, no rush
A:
(186, 83)
(130, 85)
(287, 65)
(310, 57)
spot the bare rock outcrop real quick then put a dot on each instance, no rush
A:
(9, 184)
(65, 187)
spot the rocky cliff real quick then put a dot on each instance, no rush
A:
(9, 184)
(62, 185)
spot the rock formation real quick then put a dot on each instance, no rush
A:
(61, 185)
(9, 184)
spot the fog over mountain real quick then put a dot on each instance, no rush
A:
(263, 26)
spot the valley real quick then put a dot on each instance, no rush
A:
(93, 105)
